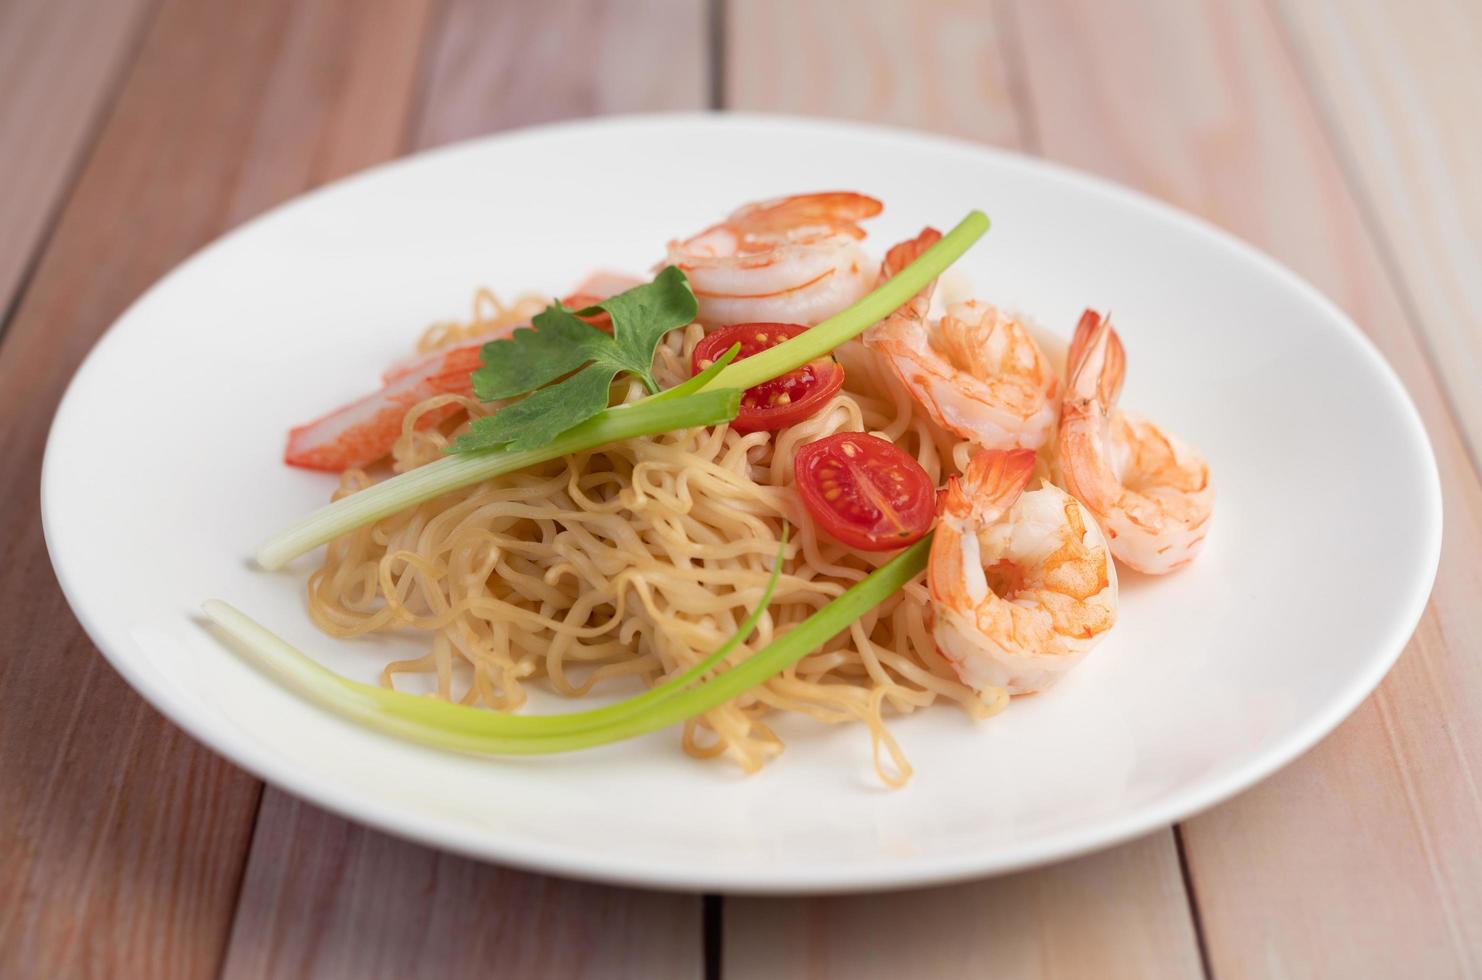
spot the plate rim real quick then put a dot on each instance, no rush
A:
(564, 860)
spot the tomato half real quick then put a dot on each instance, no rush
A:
(778, 403)
(864, 491)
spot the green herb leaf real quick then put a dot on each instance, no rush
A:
(556, 344)
(640, 317)
(534, 421)
(531, 358)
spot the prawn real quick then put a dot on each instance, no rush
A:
(977, 372)
(789, 260)
(1152, 493)
(1022, 584)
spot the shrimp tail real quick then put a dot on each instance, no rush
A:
(993, 481)
(912, 313)
(904, 253)
(1096, 362)
(949, 575)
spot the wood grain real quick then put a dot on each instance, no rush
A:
(59, 62)
(947, 66)
(1120, 913)
(1401, 88)
(325, 898)
(124, 840)
(343, 901)
(941, 65)
(1362, 858)
(501, 65)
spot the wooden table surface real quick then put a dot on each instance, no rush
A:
(1341, 136)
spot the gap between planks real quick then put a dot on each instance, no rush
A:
(102, 77)
(956, 67)
(129, 846)
(1360, 857)
(482, 68)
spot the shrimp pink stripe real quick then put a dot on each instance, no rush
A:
(780, 292)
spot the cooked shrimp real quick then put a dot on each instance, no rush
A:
(1022, 585)
(1151, 492)
(790, 260)
(976, 371)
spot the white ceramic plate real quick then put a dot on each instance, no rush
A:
(163, 472)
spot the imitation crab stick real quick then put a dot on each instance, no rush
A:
(363, 431)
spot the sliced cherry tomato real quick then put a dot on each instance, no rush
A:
(778, 403)
(864, 491)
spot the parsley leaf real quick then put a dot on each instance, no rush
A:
(530, 359)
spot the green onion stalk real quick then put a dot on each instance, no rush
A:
(465, 729)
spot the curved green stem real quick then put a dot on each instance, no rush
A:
(888, 297)
(452, 472)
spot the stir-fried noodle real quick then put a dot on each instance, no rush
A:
(638, 560)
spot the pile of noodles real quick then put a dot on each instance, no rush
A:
(637, 560)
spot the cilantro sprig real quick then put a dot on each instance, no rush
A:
(560, 345)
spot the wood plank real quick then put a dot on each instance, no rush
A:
(1400, 86)
(1362, 858)
(943, 65)
(502, 65)
(344, 901)
(1120, 913)
(59, 67)
(124, 840)
(382, 907)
